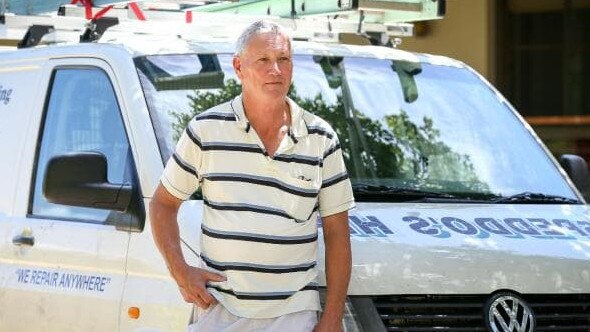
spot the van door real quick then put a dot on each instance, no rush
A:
(66, 267)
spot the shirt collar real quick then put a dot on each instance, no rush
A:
(238, 109)
(298, 125)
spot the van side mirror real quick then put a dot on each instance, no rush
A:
(577, 169)
(80, 179)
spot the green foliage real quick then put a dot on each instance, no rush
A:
(396, 150)
(400, 150)
(200, 101)
(380, 160)
(427, 159)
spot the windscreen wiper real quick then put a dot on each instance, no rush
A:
(535, 198)
(395, 193)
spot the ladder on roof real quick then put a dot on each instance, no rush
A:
(376, 11)
(204, 26)
(190, 20)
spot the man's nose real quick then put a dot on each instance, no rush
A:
(274, 68)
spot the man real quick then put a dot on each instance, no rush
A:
(266, 169)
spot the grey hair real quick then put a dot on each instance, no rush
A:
(256, 28)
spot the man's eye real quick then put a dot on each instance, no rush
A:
(263, 59)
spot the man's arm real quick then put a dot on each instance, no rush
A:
(338, 265)
(191, 280)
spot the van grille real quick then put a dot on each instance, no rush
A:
(568, 312)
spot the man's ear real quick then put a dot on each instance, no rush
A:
(237, 64)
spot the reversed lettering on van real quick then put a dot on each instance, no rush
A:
(485, 227)
(516, 228)
(5, 95)
(64, 280)
(367, 226)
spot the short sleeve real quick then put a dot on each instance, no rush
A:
(181, 174)
(336, 192)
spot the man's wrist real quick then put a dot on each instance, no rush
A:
(179, 271)
(332, 314)
(330, 321)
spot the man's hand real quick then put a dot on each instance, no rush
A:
(191, 280)
(193, 285)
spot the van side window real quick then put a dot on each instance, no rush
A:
(82, 114)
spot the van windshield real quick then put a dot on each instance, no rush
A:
(404, 127)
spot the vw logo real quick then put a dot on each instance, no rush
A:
(506, 312)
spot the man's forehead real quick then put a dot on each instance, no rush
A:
(268, 41)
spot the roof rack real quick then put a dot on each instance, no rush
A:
(387, 11)
(203, 26)
(378, 22)
(34, 35)
(319, 28)
(96, 27)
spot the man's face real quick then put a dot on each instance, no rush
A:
(265, 67)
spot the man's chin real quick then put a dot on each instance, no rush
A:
(277, 91)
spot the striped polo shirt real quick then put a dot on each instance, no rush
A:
(259, 224)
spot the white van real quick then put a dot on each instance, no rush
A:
(465, 222)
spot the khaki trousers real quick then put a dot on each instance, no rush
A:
(217, 319)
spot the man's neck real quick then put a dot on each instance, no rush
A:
(266, 115)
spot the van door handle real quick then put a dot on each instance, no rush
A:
(23, 240)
